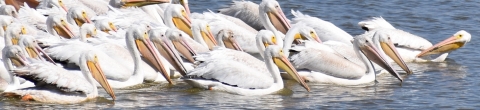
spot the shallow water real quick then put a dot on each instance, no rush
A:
(450, 84)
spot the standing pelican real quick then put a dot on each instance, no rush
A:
(237, 78)
(62, 87)
(331, 68)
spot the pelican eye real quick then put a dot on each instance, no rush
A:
(366, 41)
(460, 35)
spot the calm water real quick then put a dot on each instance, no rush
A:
(450, 84)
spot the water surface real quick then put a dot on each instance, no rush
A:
(449, 84)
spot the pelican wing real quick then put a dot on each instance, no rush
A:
(45, 72)
(32, 17)
(221, 53)
(115, 69)
(325, 30)
(231, 73)
(325, 61)
(246, 11)
(244, 37)
(375, 23)
(406, 40)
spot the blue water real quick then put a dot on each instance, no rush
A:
(451, 84)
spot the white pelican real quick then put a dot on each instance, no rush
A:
(246, 11)
(138, 43)
(202, 34)
(5, 21)
(264, 39)
(8, 10)
(105, 25)
(58, 26)
(272, 17)
(168, 49)
(331, 68)
(413, 48)
(326, 31)
(32, 48)
(13, 32)
(299, 31)
(237, 78)
(11, 57)
(62, 87)
(177, 17)
(78, 16)
(226, 38)
(244, 38)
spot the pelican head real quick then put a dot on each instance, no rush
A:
(167, 49)
(273, 17)
(13, 32)
(58, 26)
(5, 21)
(297, 33)
(138, 42)
(226, 38)
(275, 53)
(184, 3)
(87, 30)
(365, 46)
(202, 34)
(92, 66)
(78, 15)
(105, 25)
(177, 17)
(56, 3)
(382, 40)
(32, 48)
(135, 3)
(13, 55)
(458, 40)
(265, 38)
(179, 42)
(8, 10)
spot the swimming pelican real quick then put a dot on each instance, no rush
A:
(69, 88)
(331, 68)
(326, 31)
(272, 17)
(78, 16)
(58, 26)
(168, 50)
(456, 41)
(11, 58)
(176, 17)
(413, 48)
(13, 32)
(105, 25)
(237, 78)
(32, 48)
(226, 38)
(5, 21)
(202, 34)
(264, 39)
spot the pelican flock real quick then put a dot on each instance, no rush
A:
(60, 51)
